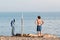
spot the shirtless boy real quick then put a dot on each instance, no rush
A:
(39, 23)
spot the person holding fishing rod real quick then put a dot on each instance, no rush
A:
(12, 25)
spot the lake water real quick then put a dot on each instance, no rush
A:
(51, 22)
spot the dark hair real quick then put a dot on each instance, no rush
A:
(39, 17)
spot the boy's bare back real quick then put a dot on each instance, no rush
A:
(39, 22)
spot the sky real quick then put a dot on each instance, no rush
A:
(30, 5)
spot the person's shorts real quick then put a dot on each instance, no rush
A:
(39, 28)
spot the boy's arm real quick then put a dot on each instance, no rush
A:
(42, 22)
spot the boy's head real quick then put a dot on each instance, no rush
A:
(39, 17)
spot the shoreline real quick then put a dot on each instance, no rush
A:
(30, 37)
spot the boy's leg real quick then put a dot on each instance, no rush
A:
(38, 33)
(12, 31)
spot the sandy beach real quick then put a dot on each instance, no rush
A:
(45, 37)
